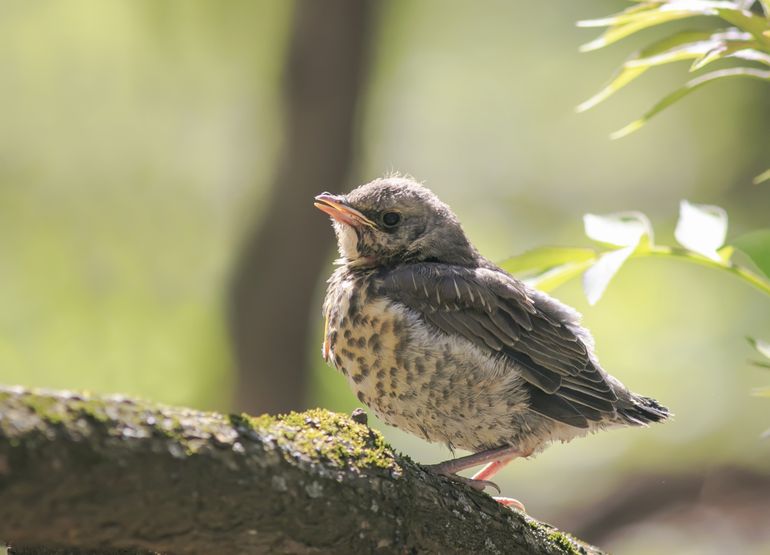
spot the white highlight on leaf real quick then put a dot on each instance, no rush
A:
(701, 228)
(597, 277)
(622, 229)
(762, 347)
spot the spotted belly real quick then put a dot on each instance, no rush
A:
(421, 380)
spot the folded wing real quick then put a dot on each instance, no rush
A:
(501, 315)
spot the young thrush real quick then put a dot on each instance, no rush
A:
(439, 341)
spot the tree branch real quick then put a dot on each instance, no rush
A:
(86, 473)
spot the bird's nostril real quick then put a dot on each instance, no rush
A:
(329, 198)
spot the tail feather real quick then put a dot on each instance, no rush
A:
(644, 410)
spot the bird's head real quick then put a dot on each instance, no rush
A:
(395, 220)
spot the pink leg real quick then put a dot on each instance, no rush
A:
(495, 460)
(493, 468)
(492, 456)
(452, 466)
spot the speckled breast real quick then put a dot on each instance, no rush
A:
(414, 376)
(355, 328)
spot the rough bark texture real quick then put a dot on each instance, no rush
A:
(277, 271)
(83, 474)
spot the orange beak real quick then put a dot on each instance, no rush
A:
(336, 208)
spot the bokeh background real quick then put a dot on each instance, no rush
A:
(157, 165)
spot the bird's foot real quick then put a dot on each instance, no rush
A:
(478, 485)
(510, 502)
(493, 459)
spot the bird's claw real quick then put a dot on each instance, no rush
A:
(478, 485)
(510, 502)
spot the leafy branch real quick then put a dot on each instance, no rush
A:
(701, 231)
(746, 39)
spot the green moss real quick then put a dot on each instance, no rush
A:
(90, 408)
(534, 525)
(563, 541)
(324, 436)
(49, 409)
(317, 435)
(58, 410)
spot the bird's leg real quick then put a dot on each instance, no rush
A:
(495, 460)
(453, 466)
(493, 467)
(497, 457)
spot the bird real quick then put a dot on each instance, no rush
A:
(439, 341)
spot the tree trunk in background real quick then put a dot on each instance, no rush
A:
(278, 269)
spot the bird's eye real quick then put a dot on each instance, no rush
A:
(391, 218)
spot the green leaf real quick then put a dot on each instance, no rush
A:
(621, 229)
(701, 228)
(545, 258)
(726, 253)
(698, 47)
(618, 18)
(762, 347)
(740, 50)
(689, 87)
(762, 177)
(553, 278)
(620, 80)
(752, 55)
(744, 19)
(546, 268)
(632, 68)
(756, 245)
(761, 392)
(633, 20)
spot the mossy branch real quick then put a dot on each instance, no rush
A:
(81, 473)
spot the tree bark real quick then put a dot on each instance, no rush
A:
(80, 474)
(278, 268)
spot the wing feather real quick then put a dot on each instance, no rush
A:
(503, 316)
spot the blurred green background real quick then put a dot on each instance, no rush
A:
(138, 144)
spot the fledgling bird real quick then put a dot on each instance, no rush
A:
(440, 342)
